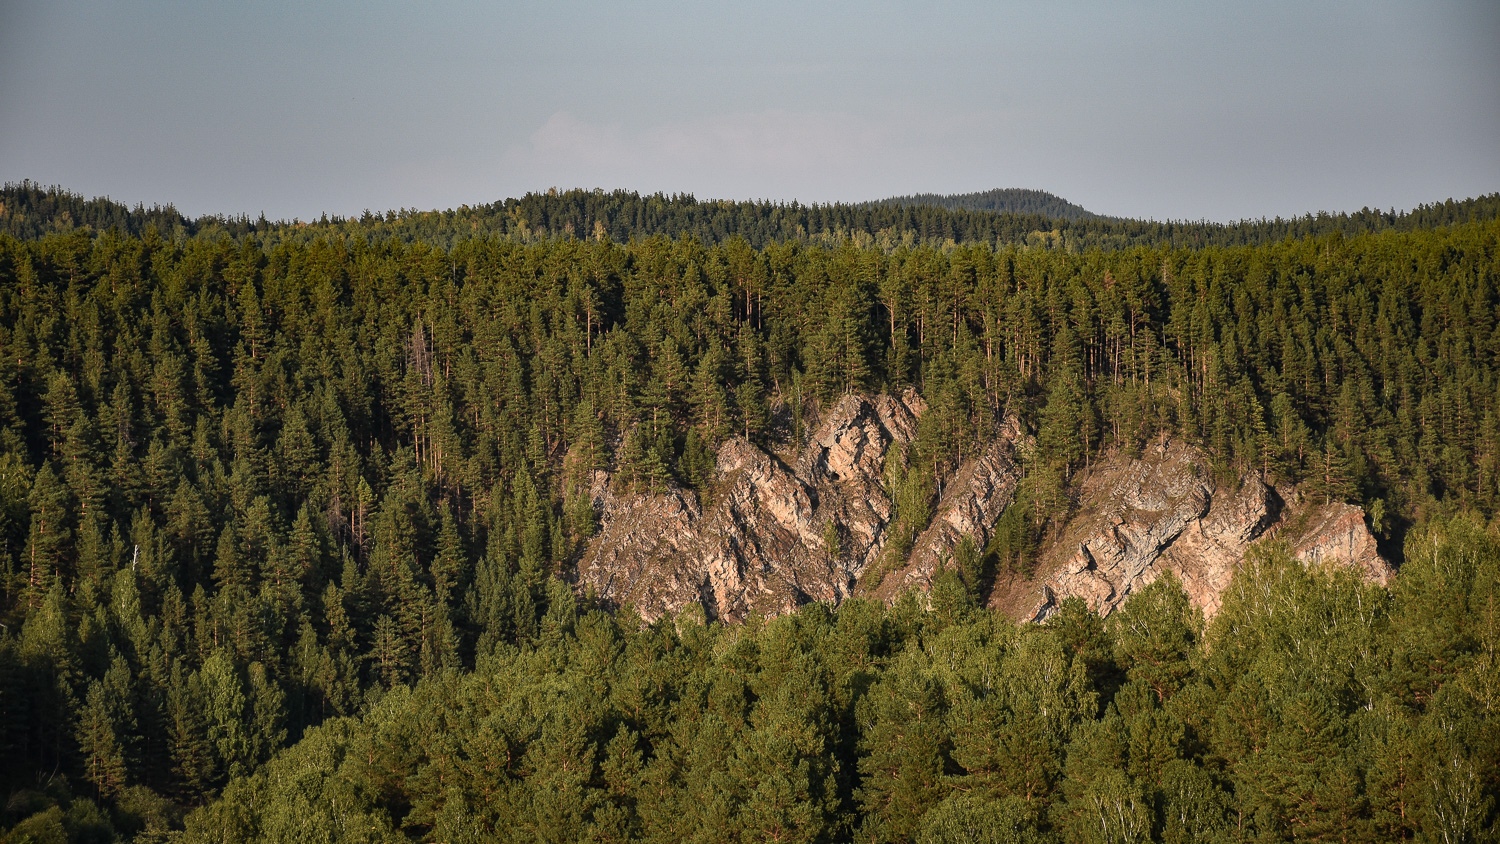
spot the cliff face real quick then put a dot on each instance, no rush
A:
(1337, 532)
(1163, 512)
(778, 534)
(813, 525)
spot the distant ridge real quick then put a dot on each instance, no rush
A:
(29, 211)
(1000, 201)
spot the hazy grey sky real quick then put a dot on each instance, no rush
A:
(1217, 110)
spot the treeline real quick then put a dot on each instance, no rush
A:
(31, 211)
(245, 488)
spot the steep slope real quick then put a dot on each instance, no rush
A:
(973, 499)
(814, 525)
(1163, 512)
(779, 533)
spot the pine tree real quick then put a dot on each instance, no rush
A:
(193, 764)
(49, 546)
(99, 742)
(904, 752)
(1155, 634)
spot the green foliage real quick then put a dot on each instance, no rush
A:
(909, 486)
(1006, 216)
(1013, 542)
(876, 723)
(1154, 636)
(975, 818)
(1012, 200)
(269, 496)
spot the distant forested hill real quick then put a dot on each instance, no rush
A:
(28, 211)
(1000, 201)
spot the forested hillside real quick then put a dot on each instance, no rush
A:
(28, 210)
(999, 200)
(1313, 709)
(265, 483)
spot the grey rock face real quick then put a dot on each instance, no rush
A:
(1163, 512)
(762, 546)
(814, 525)
(1132, 511)
(1337, 533)
(643, 549)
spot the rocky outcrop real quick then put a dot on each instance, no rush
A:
(1336, 533)
(1164, 512)
(644, 548)
(813, 524)
(1131, 512)
(1209, 550)
(781, 532)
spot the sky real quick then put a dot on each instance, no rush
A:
(1184, 110)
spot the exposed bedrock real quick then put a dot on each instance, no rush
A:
(1164, 512)
(813, 524)
(782, 532)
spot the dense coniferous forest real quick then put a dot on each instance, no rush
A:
(927, 220)
(288, 515)
(1000, 200)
